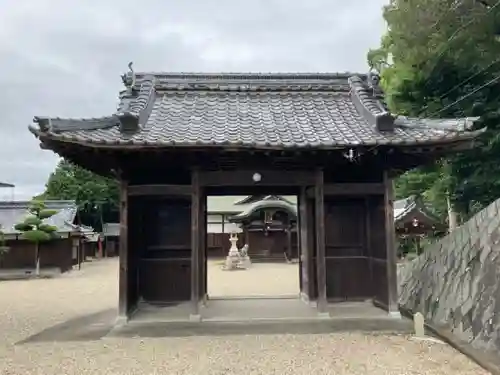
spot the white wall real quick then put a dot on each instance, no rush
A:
(214, 225)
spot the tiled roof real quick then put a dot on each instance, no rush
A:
(254, 198)
(252, 111)
(236, 203)
(12, 213)
(263, 204)
(406, 208)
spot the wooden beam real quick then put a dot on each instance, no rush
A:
(163, 190)
(391, 253)
(123, 292)
(245, 178)
(320, 242)
(195, 244)
(351, 189)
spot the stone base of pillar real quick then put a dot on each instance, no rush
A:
(323, 315)
(121, 320)
(395, 314)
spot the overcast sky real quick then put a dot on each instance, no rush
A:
(64, 58)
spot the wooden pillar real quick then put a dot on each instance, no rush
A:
(390, 237)
(78, 252)
(310, 243)
(300, 253)
(203, 245)
(123, 290)
(195, 244)
(289, 242)
(304, 251)
(320, 241)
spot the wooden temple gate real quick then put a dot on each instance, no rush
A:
(346, 237)
(328, 138)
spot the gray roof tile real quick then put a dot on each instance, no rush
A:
(12, 213)
(252, 110)
(404, 208)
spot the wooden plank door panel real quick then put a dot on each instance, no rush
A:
(347, 258)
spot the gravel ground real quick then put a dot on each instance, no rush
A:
(28, 307)
(280, 279)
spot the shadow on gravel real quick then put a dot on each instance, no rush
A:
(84, 328)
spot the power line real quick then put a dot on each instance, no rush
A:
(466, 96)
(462, 83)
(457, 31)
(453, 6)
(454, 35)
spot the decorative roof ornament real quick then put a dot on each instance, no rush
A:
(384, 120)
(374, 83)
(129, 77)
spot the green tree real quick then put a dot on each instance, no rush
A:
(436, 60)
(35, 230)
(96, 196)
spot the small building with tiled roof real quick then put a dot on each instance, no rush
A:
(59, 253)
(413, 221)
(412, 217)
(266, 223)
(328, 139)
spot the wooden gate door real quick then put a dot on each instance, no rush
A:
(348, 272)
(165, 264)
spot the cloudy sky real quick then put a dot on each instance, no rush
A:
(64, 57)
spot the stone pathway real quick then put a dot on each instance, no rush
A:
(59, 308)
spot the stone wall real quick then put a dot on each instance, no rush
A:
(455, 284)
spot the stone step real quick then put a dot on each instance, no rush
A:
(259, 327)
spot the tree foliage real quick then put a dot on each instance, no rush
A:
(35, 230)
(96, 196)
(436, 60)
